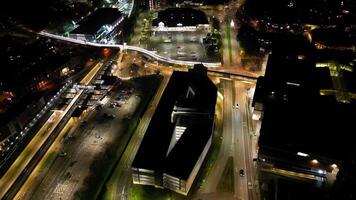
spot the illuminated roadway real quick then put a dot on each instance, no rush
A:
(37, 141)
(56, 144)
(28, 153)
(236, 142)
(240, 140)
(35, 174)
(225, 149)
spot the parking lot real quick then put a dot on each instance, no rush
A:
(93, 135)
(179, 45)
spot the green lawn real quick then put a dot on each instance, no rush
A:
(48, 161)
(141, 192)
(228, 36)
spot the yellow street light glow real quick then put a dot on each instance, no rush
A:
(315, 161)
(220, 95)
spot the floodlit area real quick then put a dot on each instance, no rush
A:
(179, 45)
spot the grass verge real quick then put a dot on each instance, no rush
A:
(228, 35)
(144, 192)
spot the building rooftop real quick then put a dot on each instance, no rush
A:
(335, 37)
(350, 80)
(317, 127)
(171, 17)
(288, 189)
(100, 17)
(153, 149)
(78, 111)
(297, 117)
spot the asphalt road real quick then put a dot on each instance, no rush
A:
(226, 144)
(236, 142)
(40, 138)
(27, 154)
(241, 159)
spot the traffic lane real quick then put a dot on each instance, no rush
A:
(252, 190)
(240, 117)
(43, 140)
(30, 150)
(32, 181)
(225, 149)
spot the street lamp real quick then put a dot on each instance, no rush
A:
(334, 166)
(315, 161)
(302, 154)
(232, 24)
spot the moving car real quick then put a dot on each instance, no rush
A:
(242, 173)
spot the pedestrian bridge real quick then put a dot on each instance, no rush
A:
(131, 48)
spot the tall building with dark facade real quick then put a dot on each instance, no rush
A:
(180, 133)
(103, 24)
(307, 106)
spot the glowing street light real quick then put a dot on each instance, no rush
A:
(303, 154)
(315, 161)
(232, 24)
(334, 166)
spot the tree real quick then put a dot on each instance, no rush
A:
(248, 39)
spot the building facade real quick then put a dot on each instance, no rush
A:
(184, 123)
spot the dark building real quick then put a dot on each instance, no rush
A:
(180, 19)
(307, 109)
(100, 25)
(180, 133)
(78, 112)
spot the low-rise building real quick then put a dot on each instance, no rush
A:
(180, 19)
(307, 110)
(101, 25)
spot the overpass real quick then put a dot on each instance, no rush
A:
(132, 48)
(211, 65)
